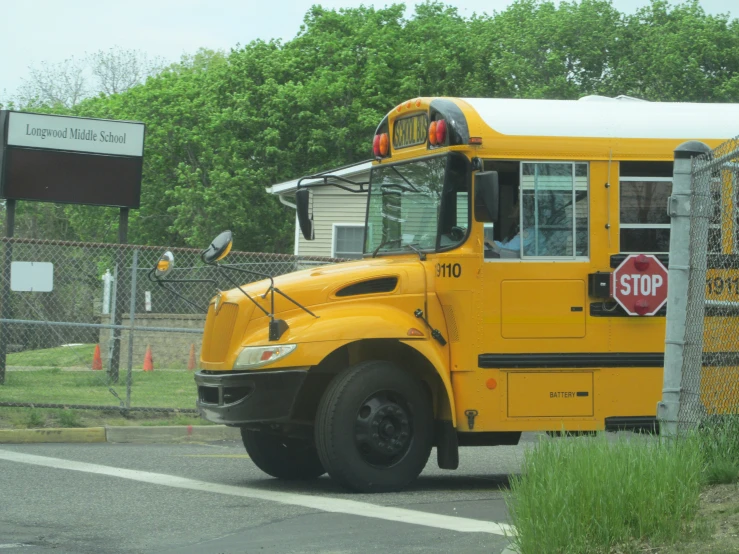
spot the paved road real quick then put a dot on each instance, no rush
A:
(180, 499)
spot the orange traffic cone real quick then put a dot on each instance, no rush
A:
(191, 361)
(97, 361)
(148, 360)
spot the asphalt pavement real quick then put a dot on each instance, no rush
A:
(193, 498)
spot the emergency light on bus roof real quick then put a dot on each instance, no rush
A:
(437, 132)
(380, 145)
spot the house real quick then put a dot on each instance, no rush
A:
(338, 215)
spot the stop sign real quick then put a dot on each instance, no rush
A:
(640, 284)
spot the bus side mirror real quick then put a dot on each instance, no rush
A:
(487, 196)
(302, 201)
(218, 249)
(165, 265)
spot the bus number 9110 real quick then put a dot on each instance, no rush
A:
(448, 270)
(719, 285)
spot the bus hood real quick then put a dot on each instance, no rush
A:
(348, 290)
(333, 283)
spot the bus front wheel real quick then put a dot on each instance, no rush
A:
(374, 427)
(282, 457)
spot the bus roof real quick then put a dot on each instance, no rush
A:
(602, 117)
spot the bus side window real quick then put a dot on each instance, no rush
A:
(554, 209)
(644, 188)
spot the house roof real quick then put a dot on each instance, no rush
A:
(346, 171)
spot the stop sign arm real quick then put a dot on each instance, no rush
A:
(639, 285)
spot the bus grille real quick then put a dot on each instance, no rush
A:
(217, 334)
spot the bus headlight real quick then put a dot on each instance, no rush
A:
(252, 357)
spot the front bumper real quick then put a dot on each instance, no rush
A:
(249, 396)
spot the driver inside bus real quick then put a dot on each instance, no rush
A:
(510, 246)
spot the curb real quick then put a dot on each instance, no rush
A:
(171, 434)
(27, 436)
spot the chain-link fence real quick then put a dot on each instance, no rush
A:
(702, 359)
(86, 327)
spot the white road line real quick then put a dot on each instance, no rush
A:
(334, 505)
(14, 545)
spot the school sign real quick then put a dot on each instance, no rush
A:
(77, 160)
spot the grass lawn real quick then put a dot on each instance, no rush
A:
(158, 389)
(59, 380)
(61, 356)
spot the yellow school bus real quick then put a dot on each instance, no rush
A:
(481, 307)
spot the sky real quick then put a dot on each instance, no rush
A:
(35, 31)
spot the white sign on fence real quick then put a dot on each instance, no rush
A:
(31, 276)
(107, 285)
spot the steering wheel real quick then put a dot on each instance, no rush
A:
(457, 233)
(489, 251)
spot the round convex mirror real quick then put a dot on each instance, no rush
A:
(218, 249)
(165, 265)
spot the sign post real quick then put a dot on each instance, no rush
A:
(5, 265)
(639, 285)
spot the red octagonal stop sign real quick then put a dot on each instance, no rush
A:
(640, 284)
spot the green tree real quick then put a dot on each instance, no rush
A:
(222, 126)
(678, 53)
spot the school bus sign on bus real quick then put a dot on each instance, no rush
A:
(484, 304)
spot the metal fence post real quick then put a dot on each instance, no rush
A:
(5, 307)
(118, 317)
(129, 376)
(679, 210)
(113, 310)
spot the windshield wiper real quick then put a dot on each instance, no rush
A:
(398, 186)
(421, 255)
(395, 169)
(384, 242)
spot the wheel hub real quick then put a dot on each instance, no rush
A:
(383, 429)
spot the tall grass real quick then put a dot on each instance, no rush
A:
(719, 442)
(587, 495)
(69, 418)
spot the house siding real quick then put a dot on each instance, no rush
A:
(331, 206)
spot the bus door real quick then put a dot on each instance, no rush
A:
(534, 292)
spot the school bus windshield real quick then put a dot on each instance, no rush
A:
(422, 204)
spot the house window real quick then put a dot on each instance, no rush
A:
(644, 190)
(348, 241)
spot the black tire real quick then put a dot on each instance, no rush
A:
(375, 396)
(282, 457)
